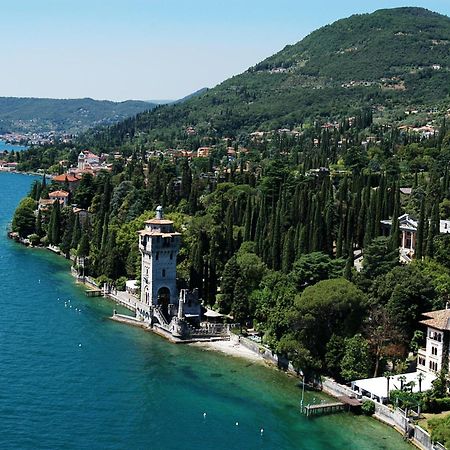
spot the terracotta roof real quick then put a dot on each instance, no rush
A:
(157, 233)
(159, 222)
(46, 201)
(58, 194)
(437, 319)
(65, 177)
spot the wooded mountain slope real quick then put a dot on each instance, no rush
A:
(389, 60)
(63, 115)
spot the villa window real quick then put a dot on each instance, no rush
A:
(435, 336)
(408, 240)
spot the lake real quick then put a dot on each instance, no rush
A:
(71, 378)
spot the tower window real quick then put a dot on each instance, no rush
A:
(164, 273)
(157, 256)
(171, 255)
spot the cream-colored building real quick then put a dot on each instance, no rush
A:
(437, 351)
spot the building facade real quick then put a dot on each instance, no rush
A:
(408, 234)
(436, 355)
(161, 304)
(159, 245)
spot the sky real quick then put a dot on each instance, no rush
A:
(153, 49)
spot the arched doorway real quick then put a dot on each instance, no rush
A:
(164, 300)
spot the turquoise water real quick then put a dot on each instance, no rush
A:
(17, 148)
(72, 379)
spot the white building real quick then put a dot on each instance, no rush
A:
(61, 196)
(437, 351)
(408, 233)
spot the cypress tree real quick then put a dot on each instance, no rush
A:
(276, 239)
(248, 220)
(288, 251)
(395, 230)
(38, 229)
(54, 236)
(433, 230)
(76, 235)
(420, 231)
(229, 225)
(83, 246)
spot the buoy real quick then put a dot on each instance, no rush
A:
(204, 415)
(237, 424)
(79, 345)
(261, 431)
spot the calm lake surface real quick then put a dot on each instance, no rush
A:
(17, 148)
(72, 379)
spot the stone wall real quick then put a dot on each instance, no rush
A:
(265, 353)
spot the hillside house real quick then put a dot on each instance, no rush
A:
(61, 196)
(436, 353)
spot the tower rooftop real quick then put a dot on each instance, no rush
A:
(159, 222)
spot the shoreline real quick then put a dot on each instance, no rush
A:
(230, 348)
(234, 349)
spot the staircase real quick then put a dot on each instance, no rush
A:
(161, 319)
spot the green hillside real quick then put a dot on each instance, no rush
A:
(389, 60)
(42, 114)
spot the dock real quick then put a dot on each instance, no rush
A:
(344, 404)
(94, 293)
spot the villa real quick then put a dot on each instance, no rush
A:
(436, 354)
(408, 231)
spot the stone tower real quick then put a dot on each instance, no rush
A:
(81, 161)
(159, 245)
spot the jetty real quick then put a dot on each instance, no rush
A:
(94, 293)
(344, 403)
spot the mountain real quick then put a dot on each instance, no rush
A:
(194, 94)
(180, 100)
(389, 60)
(70, 116)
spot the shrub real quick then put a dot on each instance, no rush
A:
(368, 407)
(443, 403)
(121, 283)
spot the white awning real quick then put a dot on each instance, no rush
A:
(377, 387)
(211, 313)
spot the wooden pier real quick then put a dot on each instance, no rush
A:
(344, 404)
(94, 293)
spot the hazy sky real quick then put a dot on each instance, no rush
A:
(153, 49)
